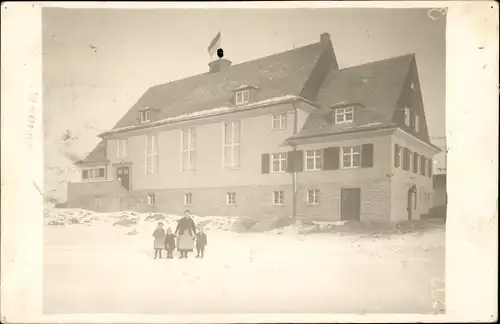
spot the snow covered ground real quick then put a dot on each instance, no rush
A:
(95, 267)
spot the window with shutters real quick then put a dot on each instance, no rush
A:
(314, 160)
(407, 115)
(415, 162)
(151, 154)
(397, 155)
(344, 115)
(188, 198)
(278, 162)
(93, 174)
(351, 157)
(151, 199)
(423, 164)
(231, 198)
(242, 97)
(188, 149)
(278, 121)
(312, 196)
(278, 197)
(232, 144)
(121, 148)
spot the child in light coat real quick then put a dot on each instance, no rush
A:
(159, 235)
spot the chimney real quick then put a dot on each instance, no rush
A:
(325, 38)
(219, 65)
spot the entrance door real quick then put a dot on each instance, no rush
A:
(350, 205)
(409, 208)
(123, 176)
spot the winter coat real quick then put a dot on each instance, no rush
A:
(159, 235)
(170, 242)
(201, 239)
(186, 223)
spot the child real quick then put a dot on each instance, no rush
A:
(201, 242)
(159, 235)
(169, 243)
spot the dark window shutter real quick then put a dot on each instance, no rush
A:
(331, 158)
(85, 174)
(290, 161)
(422, 165)
(298, 161)
(406, 159)
(397, 155)
(430, 168)
(265, 163)
(415, 162)
(367, 155)
(412, 119)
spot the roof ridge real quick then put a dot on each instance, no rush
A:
(238, 64)
(378, 61)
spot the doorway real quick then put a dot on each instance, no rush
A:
(350, 204)
(123, 176)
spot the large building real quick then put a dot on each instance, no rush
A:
(289, 134)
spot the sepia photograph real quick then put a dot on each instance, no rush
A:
(234, 161)
(249, 162)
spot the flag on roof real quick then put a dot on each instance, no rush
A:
(214, 45)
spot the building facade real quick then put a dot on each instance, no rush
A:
(288, 135)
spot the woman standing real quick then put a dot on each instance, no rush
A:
(186, 229)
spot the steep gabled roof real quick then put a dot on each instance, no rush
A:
(277, 75)
(98, 154)
(373, 87)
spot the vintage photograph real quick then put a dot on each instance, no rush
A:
(230, 161)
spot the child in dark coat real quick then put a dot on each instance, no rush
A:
(169, 243)
(159, 235)
(201, 242)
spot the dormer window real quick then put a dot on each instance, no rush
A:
(242, 97)
(145, 117)
(344, 115)
(407, 115)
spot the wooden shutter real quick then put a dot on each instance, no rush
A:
(265, 163)
(406, 159)
(331, 158)
(397, 155)
(298, 161)
(415, 162)
(430, 168)
(290, 159)
(367, 155)
(423, 160)
(412, 119)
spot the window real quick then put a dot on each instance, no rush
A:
(423, 164)
(407, 116)
(406, 159)
(145, 117)
(344, 115)
(93, 174)
(188, 198)
(279, 121)
(121, 148)
(151, 199)
(351, 157)
(314, 160)
(278, 162)
(232, 144)
(242, 97)
(231, 198)
(188, 147)
(416, 123)
(397, 155)
(97, 201)
(151, 154)
(312, 196)
(415, 162)
(278, 197)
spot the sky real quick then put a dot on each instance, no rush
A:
(98, 62)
